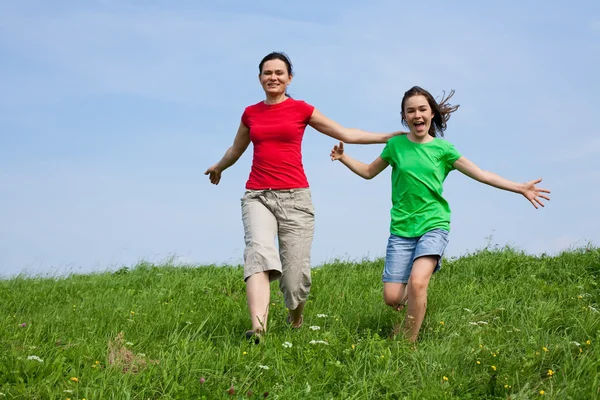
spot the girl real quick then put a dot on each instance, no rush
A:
(420, 216)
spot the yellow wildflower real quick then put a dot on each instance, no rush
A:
(588, 342)
(550, 372)
(442, 323)
(493, 367)
(581, 351)
(74, 379)
(132, 312)
(478, 362)
(353, 347)
(445, 378)
(545, 349)
(244, 353)
(97, 362)
(542, 392)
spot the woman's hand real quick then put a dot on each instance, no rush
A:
(214, 174)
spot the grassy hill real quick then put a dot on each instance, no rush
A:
(500, 324)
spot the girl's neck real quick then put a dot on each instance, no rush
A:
(276, 99)
(419, 139)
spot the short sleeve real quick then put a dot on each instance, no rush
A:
(386, 154)
(452, 155)
(306, 111)
(245, 118)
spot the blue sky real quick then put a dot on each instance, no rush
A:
(111, 111)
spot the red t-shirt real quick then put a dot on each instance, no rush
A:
(276, 133)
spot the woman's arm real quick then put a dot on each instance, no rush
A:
(527, 189)
(240, 144)
(361, 169)
(347, 135)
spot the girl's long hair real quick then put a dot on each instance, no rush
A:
(441, 110)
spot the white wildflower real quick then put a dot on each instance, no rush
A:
(68, 391)
(321, 315)
(128, 344)
(287, 345)
(315, 328)
(467, 310)
(141, 354)
(36, 358)
(593, 309)
(576, 343)
(318, 342)
(263, 366)
(478, 323)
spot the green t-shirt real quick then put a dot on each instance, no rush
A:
(418, 174)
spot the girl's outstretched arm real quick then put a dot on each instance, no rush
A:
(361, 169)
(527, 189)
(348, 135)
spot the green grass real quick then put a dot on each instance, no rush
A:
(180, 324)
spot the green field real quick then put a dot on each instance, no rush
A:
(500, 324)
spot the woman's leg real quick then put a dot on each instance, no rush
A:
(261, 259)
(296, 231)
(258, 293)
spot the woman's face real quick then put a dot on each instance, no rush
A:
(274, 77)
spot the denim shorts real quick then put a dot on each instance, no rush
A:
(403, 251)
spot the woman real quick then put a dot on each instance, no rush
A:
(277, 200)
(420, 216)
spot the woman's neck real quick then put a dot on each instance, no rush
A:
(276, 99)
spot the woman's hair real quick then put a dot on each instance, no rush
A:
(276, 56)
(441, 110)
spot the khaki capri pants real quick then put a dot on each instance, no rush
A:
(288, 215)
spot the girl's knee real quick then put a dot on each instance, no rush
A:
(392, 299)
(419, 285)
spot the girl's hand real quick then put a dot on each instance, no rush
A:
(533, 193)
(214, 174)
(337, 152)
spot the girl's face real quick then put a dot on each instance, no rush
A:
(274, 78)
(418, 115)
